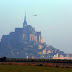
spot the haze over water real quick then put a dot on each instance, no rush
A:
(54, 19)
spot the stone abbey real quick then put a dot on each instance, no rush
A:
(27, 43)
(27, 34)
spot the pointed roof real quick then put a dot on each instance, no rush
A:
(25, 17)
(25, 22)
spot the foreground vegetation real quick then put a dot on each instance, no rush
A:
(22, 68)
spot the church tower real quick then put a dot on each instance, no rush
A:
(25, 22)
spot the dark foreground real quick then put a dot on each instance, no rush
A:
(22, 68)
(37, 62)
(43, 64)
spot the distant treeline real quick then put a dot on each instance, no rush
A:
(4, 59)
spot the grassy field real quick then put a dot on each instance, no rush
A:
(22, 68)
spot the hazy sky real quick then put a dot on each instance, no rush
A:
(54, 19)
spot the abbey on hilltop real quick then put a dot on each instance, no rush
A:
(27, 34)
(27, 43)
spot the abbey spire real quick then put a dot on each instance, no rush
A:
(25, 22)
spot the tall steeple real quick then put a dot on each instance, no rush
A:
(25, 22)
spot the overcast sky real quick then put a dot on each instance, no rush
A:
(54, 19)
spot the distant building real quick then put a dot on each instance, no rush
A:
(27, 34)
